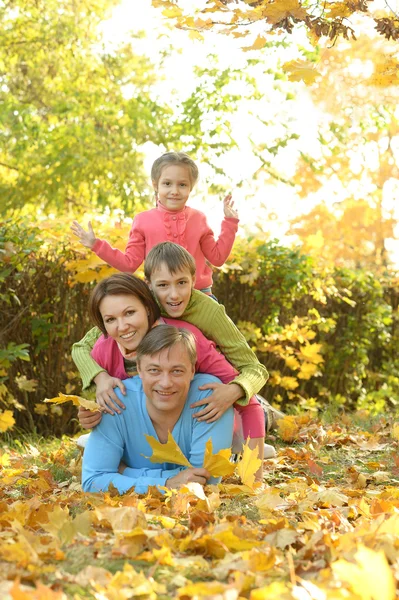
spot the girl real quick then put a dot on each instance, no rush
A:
(173, 176)
(123, 309)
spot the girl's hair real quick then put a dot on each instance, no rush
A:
(174, 158)
(128, 285)
(165, 337)
(175, 257)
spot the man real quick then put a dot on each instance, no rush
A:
(156, 403)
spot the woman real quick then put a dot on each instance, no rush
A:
(124, 309)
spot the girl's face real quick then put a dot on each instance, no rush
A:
(173, 187)
(125, 319)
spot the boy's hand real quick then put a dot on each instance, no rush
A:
(228, 207)
(87, 238)
(88, 419)
(217, 403)
(105, 395)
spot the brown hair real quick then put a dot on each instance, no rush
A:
(174, 158)
(126, 284)
(167, 336)
(175, 257)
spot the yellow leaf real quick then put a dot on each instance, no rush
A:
(361, 576)
(6, 420)
(77, 401)
(287, 429)
(289, 383)
(310, 353)
(209, 589)
(166, 453)
(195, 35)
(248, 465)
(218, 464)
(259, 43)
(307, 370)
(280, 9)
(300, 70)
(27, 385)
(395, 431)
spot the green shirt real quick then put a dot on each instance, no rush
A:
(211, 318)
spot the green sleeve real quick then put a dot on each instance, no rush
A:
(211, 318)
(87, 366)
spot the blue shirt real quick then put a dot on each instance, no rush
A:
(122, 437)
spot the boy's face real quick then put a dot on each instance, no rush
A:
(172, 291)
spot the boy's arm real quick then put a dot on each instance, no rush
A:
(217, 251)
(213, 321)
(87, 366)
(128, 261)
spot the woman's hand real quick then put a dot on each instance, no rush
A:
(87, 238)
(106, 398)
(217, 403)
(228, 207)
(89, 419)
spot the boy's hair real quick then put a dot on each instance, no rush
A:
(167, 336)
(128, 285)
(174, 158)
(175, 257)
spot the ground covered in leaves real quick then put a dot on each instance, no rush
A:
(325, 525)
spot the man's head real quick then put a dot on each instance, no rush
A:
(166, 360)
(170, 272)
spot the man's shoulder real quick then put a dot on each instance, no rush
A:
(202, 379)
(133, 384)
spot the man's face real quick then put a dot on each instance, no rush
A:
(166, 378)
(172, 291)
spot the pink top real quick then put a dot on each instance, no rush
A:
(187, 227)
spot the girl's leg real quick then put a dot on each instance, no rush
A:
(253, 425)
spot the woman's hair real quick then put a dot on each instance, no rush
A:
(175, 257)
(174, 158)
(118, 284)
(165, 337)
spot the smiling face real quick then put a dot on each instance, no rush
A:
(125, 319)
(173, 187)
(173, 291)
(166, 378)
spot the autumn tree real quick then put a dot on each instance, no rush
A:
(357, 156)
(241, 18)
(75, 114)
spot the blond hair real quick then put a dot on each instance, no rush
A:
(175, 257)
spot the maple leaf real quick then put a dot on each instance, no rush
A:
(27, 385)
(218, 464)
(259, 43)
(248, 465)
(362, 576)
(287, 428)
(281, 9)
(76, 400)
(6, 420)
(166, 453)
(300, 70)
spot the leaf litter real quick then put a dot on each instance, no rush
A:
(324, 525)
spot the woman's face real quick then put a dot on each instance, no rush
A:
(125, 319)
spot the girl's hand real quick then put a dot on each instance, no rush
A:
(217, 403)
(87, 238)
(228, 207)
(106, 398)
(87, 418)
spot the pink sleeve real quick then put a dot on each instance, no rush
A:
(131, 259)
(217, 251)
(209, 360)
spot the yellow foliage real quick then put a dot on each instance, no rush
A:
(259, 43)
(76, 400)
(310, 353)
(288, 429)
(307, 370)
(7, 420)
(218, 464)
(248, 465)
(288, 383)
(300, 70)
(166, 453)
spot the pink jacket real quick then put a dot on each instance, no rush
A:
(187, 227)
(107, 354)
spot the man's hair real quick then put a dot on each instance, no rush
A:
(128, 285)
(174, 158)
(163, 337)
(175, 257)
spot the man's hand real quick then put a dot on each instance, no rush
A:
(87, 238)
(87, 418)
(217, 403)
(105, 395)
(228, 207)
(197, 474)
